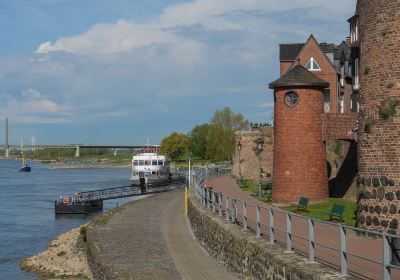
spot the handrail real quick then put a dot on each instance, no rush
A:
(228, 207)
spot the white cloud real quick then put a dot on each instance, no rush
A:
(32, 107)
(269, 104)
(126, 35)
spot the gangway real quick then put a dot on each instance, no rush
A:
(92, 201)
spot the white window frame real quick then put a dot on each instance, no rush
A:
(313, 63)
(356, 74)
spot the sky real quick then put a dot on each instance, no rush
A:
(123, 71)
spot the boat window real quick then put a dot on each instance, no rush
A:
(160, 162)
(136, 162)
(153, 172)
(141, 162)
(153, 162)
(147, 162)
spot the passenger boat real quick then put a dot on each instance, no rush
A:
(148, 167)
(24, 167)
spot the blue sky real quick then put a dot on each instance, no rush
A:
(117, 72)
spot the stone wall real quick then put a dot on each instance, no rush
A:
(102, 268)
(251, 257)
(248, 158)
(379, 142)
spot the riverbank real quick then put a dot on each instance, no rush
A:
(88, 166)
(65, 257)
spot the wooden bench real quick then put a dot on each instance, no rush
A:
(337, 211)
(303, 204)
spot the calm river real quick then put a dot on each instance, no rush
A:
(27, 219)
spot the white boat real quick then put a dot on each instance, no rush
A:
(149, 167)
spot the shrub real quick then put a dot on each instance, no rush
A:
(369, 123)
(387, 108)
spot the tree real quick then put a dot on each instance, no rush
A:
(198, 140)
(175, 145)
(221, 136)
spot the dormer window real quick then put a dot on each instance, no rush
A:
(312, 65)
(354, 31)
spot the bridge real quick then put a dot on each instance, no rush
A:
(77, 147)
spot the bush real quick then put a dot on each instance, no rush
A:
(369, 123)
(82, 232)
(387, 108)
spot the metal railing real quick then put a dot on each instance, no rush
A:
(302, 234)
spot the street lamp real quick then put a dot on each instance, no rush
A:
(260, 143)
(239, 147)
(190, 172)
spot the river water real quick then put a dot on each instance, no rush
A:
(27, 219)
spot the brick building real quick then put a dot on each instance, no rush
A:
(330, 62)
(377, 33)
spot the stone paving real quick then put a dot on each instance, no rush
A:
(151, 239)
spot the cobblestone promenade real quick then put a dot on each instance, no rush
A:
(151, 239)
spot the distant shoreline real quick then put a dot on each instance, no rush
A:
(88, 166)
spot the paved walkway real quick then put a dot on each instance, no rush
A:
(324, 233)
(151, 239)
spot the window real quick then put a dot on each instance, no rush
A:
(154, 162)
(342, 76)
(327, 100)
(312, 65)
(341, 104)
(160, 162)
(291, 98)
(141, 162)
(136, 162)
(356, 74)
(147, 162)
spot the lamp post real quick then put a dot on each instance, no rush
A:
(239, 147)
(190, 172)
(260, 143)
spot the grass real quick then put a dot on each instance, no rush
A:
(317, 211)
(321, 211)
(252, 187)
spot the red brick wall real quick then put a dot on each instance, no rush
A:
(299, 152)
(338, 126)
(327, 73)
(284, 66)
(379, 150)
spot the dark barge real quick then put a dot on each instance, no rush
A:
(92, 201)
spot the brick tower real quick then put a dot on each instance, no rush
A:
(299, 151)
(379, 144)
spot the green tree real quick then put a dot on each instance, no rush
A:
(175, 145)
(198, 140)
(221, 136)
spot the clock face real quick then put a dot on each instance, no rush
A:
(291, 98)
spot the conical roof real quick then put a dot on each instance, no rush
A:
(299, 76)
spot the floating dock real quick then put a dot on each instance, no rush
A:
(92, 201)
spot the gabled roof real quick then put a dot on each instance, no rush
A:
(299, 76)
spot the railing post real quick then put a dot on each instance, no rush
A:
(233, 210)
(288, 232)
(202, 196)
(271, 226)
(208, 198)
(212, 200)
(226, 207)
(244, 211)
(258, 223)
(386, 257)
(343, 255)
(220, 204)
(311, 244)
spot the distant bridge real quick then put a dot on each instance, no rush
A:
(77, 147)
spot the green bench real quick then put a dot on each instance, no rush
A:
(337, 211)
(303, 204)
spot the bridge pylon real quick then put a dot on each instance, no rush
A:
(77, 154)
